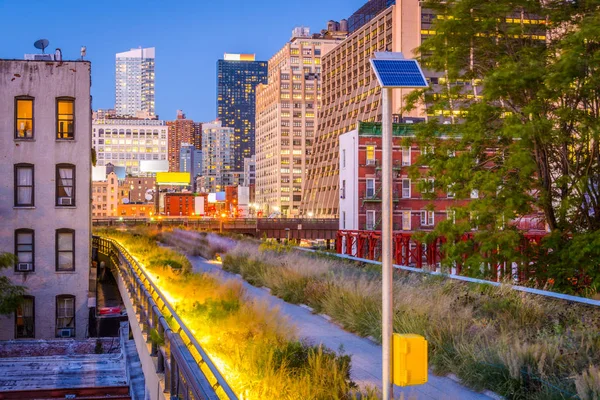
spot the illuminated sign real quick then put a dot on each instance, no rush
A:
(173, 178)
(212, 197)
(239, 57)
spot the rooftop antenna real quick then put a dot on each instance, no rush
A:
(83, 51)
(41, 44)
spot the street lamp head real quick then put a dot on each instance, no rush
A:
(310, 214)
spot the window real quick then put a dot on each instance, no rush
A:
(25, 318)
(343, 219)
(406, 188)
(451, 215)
(343, 189)
(65, 185)
(65, 250)
(24, 118)
(65, 118)
(24, 250)
(370, 193)
(406, 220)
(370, 220)
(475, 194)
(428, 185)
(370, 155)
(406, 156)
(65, 316)
(24, 185)
(427, 218)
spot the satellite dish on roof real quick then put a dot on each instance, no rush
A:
(125, 200)
(148, 197)
(41, 44)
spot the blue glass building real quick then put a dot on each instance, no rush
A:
(237, 78)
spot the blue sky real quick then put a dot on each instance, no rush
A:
(189, 36)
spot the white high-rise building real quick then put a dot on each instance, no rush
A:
(218, 157)
(134, 72)
(125, 142)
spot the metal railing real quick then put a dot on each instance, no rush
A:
(188, 371)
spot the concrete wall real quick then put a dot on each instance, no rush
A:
(45, 81)
(349, 172)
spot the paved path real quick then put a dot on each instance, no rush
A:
(366, 356)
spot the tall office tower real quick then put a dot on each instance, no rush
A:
(129, 142)
(182, 130)
(45, 137)
(237, 78)
(286, 119)
(217, 156)
(351, 93)
(134, 71)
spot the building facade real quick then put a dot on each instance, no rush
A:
(137, 190)
(105, 197)
(237, 78)
(286, 114)
(250, 171)
(125, 142)
(361, 183)
(218, 156)
(182, 130)
(134, 84)
(179, 204)
(45, 137)
(351, 93)
(190, 160)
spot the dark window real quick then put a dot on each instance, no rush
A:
(65, 250)
(24, 250)
(65, 118)
(65, 185)
(24, 185)
(23, 117)
(25, 318)
(65, 315)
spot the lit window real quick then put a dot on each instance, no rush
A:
(65, 118)
(23, 118)
(25, 318)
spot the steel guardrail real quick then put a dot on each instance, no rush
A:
(194, 373)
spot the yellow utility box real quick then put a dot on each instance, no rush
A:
(409, 358)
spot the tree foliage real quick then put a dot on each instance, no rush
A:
(519, 83)
(10, 295)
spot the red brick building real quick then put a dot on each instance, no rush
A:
(182, 130)
(179, 204)
(361, 183)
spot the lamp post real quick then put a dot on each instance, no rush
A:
(392, 71)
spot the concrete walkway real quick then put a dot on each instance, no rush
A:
(366, 356)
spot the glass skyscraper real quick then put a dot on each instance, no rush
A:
(134, 72)
(237, 78)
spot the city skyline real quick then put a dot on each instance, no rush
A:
(189, 85)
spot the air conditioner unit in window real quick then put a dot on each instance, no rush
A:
(65, 201)
(65, 333)
(22, 267)
(370, 161)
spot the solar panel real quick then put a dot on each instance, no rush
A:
(398, 73)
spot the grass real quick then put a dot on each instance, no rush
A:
(254, 346)
(519, 345)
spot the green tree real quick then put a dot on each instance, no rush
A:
(519, 82)
(10, 295)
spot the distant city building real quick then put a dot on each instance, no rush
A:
(135, 210)
(217, 154)
(137, 190)
(179, 204)
(104, 113)
(134, 86)
(46, 208)
(127, 141)
(190, 160)
(286, 111)
(237, 78)
(250, 171)
(182, 130)
(351, 92)
(105, 196)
